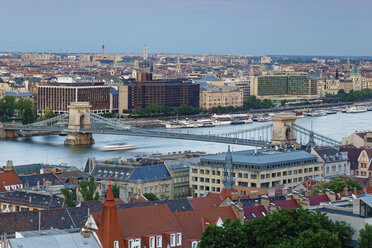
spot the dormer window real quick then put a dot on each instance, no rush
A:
(116, 174)
(159, 241)
(99, 173)
(179, 239)
(173, 240)
(152, 242)
(105, 173)
(194, 244)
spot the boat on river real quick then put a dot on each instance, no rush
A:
(117, 147)
(354, 109)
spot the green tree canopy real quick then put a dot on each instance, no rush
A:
(68, 194)
(48, 114)
(337, 185)
(151, 196)
(88, 189)
(365, 237)
(283, 228)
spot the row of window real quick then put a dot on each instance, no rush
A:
(363, 173)
(155, 241)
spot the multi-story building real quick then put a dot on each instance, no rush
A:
(364, 163)
(275, 85)
(220, 97)
(58, 97)
(265, 168)
(171, 93)
(335, 163)
(133, 181)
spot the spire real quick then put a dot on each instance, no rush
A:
(228, 182)
(110, 194)
(109, 230)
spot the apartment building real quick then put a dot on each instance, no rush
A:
(264, 168)
(220, 97)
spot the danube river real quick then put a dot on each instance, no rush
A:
(50, 149)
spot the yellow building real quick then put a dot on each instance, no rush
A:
(263, 169)
(220, 97)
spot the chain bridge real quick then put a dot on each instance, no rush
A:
(79, 125)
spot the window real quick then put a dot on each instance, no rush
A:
(152, 242)
(195, 179)
(218, 173)
(273, 175)
(194, 170)
(284, 173)
(116, 244)
(305, 170)
(207, 180)
(218, 181)
(262, 176)
(278, 174)
(207, 172)
(289, 173)
(137, 244)
(245, 175)
(173, 240)
(179, 238)
(253, 176)
(130, 243)
(201, 171)
(213, 180)
(194, 244)
(213, 172)
(295, 172)
(158, 241)
(202, 179)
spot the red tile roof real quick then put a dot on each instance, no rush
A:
(211, 200)
(194, 222)
(315, 200)
(257, 211)
(8, 178)
(287, 204)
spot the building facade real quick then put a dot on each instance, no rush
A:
(335, 163)
(211, 97)
(58, 98)
(283, 85)
(171, 93)
(264, 169)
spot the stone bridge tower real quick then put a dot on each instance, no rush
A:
(76, 122)
(282, 135)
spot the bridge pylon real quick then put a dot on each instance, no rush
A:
(7, 134)
(76, 122)
(282, 135)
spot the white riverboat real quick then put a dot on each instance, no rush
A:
(118, 147)
(354, 109)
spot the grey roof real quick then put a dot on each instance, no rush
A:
(32, 199)
(209, 78)
(181, 164)
(246, 157)
(29, 168)
(70, 240)
(131, 173)
(19, 94)
(178, 205)
(150, 173)
(367, 199)
(219, 89)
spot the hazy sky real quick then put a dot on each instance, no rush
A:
(296, 27)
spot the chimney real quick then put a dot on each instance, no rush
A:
(289, 196)
(331, 195)
(265, 201)
(30, 198)
(38, 185)
(346, 191)
(355, 191)
(256, 203)
(271, 192)
(296, 195)
(284, 191)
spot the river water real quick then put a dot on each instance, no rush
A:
(50, 149)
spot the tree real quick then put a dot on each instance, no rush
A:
(68, 194)
(230, 234)
(115, 190)
(284, 228)
(26, 110)
(88, 189)
(48, 114)
(283, 102)
(151, 196)
(365, 237)
(353, 183)
(7, 107)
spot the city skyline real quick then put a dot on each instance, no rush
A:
(188, 27)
